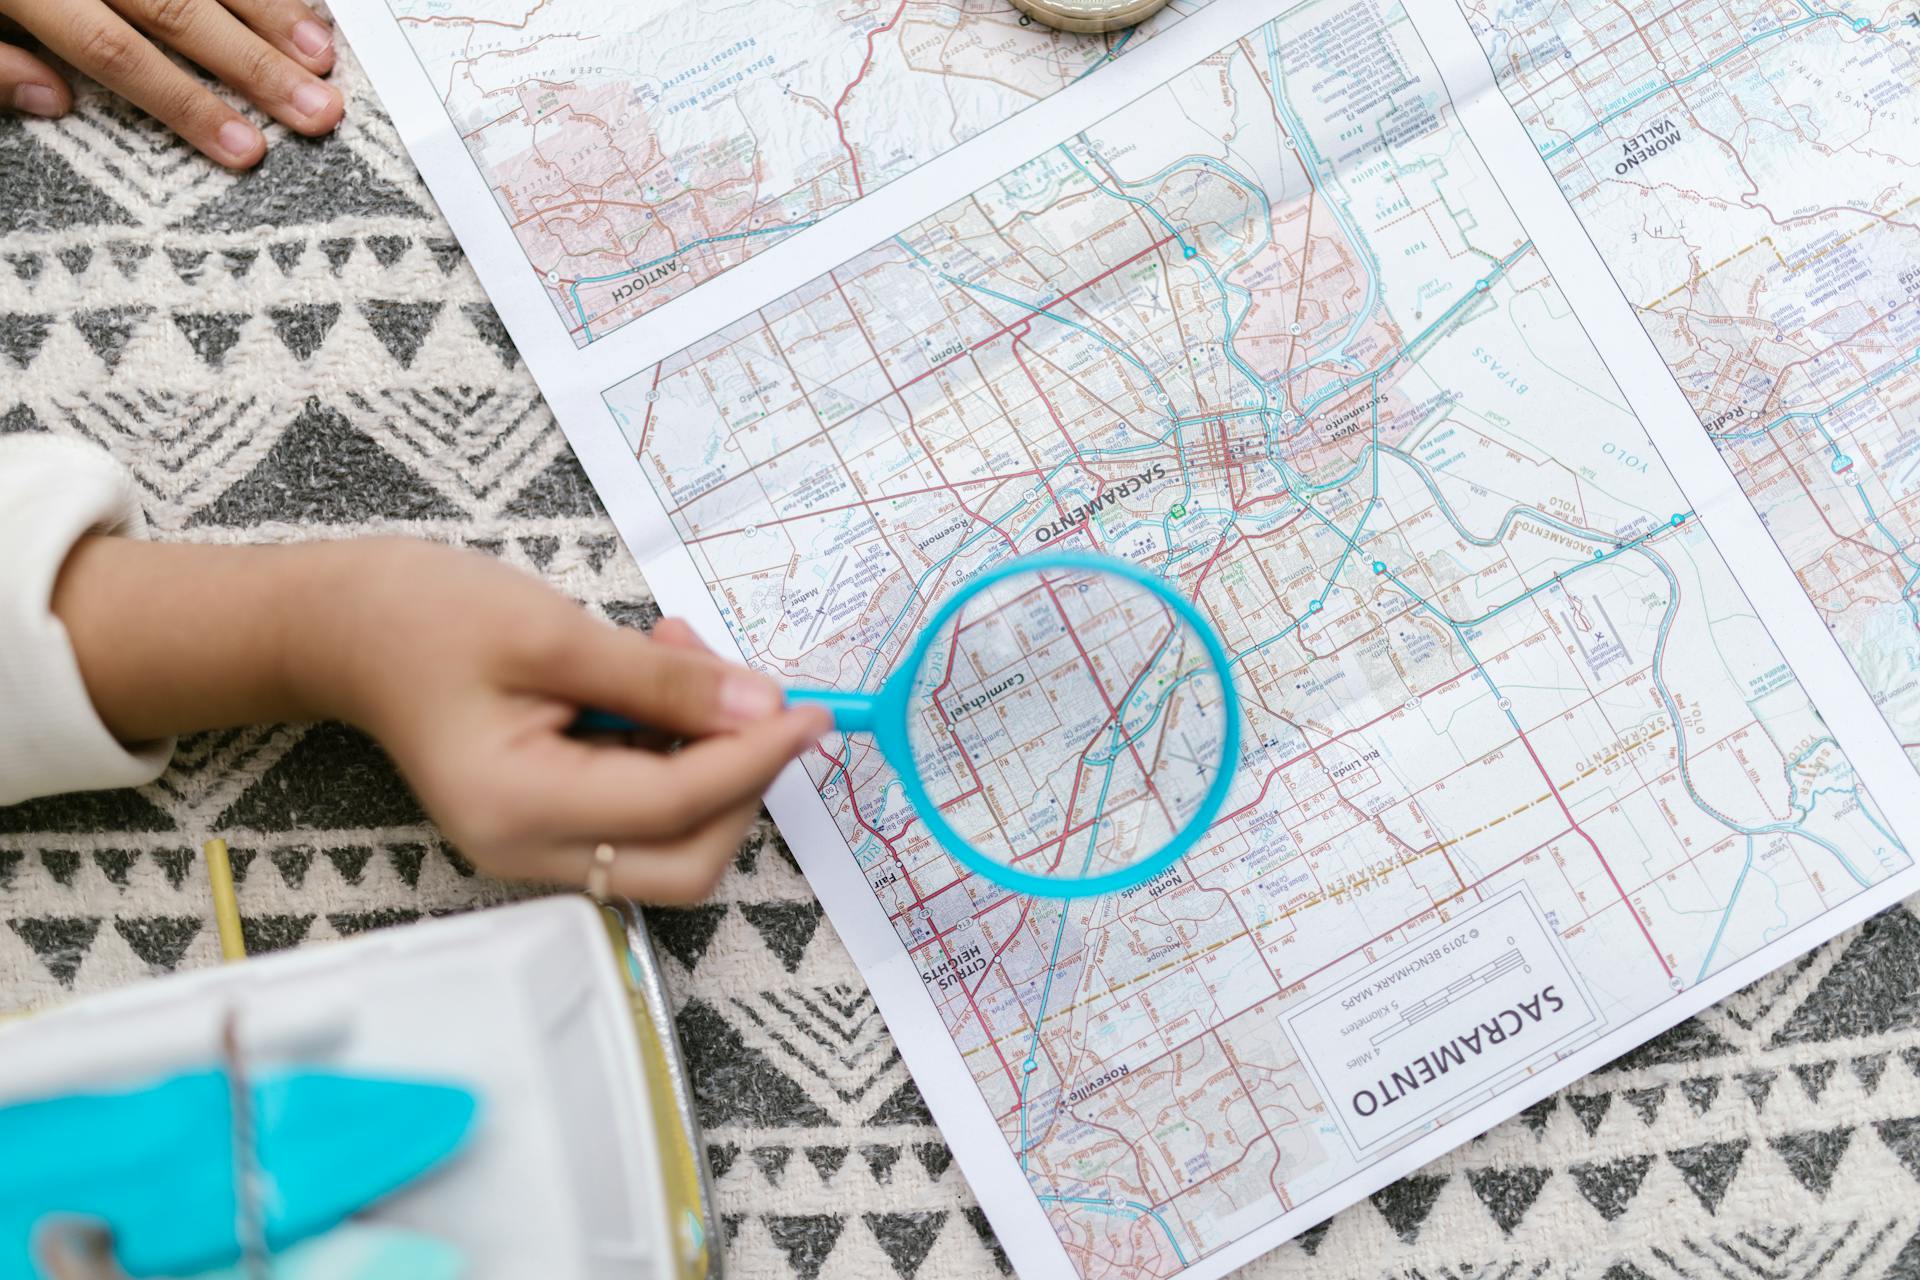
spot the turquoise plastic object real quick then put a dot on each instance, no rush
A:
(358, 1252)
(155, 1165)
(884, 713)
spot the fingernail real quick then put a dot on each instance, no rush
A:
(311, 98)
(36, 100)
(310, 38)
(238, 139)
(748, 697)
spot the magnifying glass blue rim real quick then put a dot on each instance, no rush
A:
(885, 712)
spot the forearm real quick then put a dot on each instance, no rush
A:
(173, 638)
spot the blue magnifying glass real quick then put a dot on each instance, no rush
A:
(1064, 724)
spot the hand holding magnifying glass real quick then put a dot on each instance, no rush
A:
(1064, 724)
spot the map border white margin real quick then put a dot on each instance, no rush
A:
(574, 379)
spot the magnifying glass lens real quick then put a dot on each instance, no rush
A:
(1067, 723)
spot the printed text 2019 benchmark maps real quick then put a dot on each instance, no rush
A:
(1752, 173)
(1522, 762)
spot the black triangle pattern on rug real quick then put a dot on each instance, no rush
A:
(1611, 1186)
(127, 255)
(42, 190)
(1700, 1093)
(486, 323)
(388, 250)
(22, 336)
(188, 264)
(334, 777)
(903, 1106)
(771, 1162)
(977, 1218)
(351, 863)
(1869, 990)
(685, 932)
(806, 1239)
(826, 1160)
(1813, 1077)
(1405, 1204)
(1903, 1139)
(108, 330)
(303, 181)
(1508, 1192)
(323, 470)
(349, 923)
(786, 927)
(161, 941)
(19, 418)
(292, 864)
(1758, 1086)
(734, 1083)
(1906, 1266)
(302, 327)
(62, 864)
(880, 1160)
(1708, 1169)
(1646, 1102)
(1686, 1042)
(935, 1157)
(123, 810)
(1813, 1157)
(174, 864)
(907, 1238)
(264, 933)
(61, 942)
(401, 326)
(115, 864)
(211, 334)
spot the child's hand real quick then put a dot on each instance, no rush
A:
(469, 672)
(271, 51)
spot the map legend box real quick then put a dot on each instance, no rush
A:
(1441, 1021)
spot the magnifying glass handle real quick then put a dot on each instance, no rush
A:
(852, 713)
(594, 720)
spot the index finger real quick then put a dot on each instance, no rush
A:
(661, 684)
(101, 44)
(611, 794)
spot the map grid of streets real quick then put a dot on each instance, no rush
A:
(638, 150)
(1751, 172)
(1273, 331)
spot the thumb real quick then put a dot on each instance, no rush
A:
(29, 85)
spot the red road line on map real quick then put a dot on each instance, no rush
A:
(1604, 865)
(1026, 319)
(998, 333)
(646, 423)
(865, 65)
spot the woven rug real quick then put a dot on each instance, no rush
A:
(302, 352)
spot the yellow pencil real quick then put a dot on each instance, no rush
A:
(226, 907)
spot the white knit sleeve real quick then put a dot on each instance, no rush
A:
(54, 491)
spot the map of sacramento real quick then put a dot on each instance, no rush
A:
(638, 149)
(1492, 668)
(1751, 173)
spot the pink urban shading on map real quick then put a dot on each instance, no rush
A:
(639, 149)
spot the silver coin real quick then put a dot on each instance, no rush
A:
(1090, 17)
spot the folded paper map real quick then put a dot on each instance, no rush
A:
(1528, 394)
